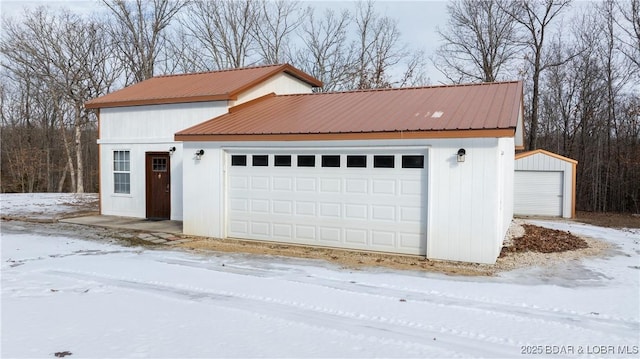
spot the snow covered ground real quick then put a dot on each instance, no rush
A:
(69, 290)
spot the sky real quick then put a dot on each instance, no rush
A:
(417, 20)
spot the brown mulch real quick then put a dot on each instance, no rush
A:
(544, 240)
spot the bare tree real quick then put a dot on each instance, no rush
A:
(377, 48)
(480, 40)
(57, 62)
(138, 31)
(276, 23)
(225, 30)
(629, 25)
(326, 53)
(535, 16)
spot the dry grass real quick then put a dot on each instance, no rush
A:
(538, 246)
(613, 220)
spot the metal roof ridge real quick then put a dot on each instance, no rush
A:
(217, 71)
(407, 88)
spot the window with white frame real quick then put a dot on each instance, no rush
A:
(121, 172)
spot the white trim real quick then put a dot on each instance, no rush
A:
(136, 141)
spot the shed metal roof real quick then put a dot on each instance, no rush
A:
(476, 110)
(198, 87)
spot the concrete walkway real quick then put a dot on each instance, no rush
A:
(157, 232)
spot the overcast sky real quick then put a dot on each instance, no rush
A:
(417, 20)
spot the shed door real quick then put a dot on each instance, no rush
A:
(538, 193)
(357, 200)
(158, 185)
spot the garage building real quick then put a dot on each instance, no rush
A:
(545, 184)
(258, 153)
(423, 171)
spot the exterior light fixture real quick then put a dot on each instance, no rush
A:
(199, 154)
(172, 150)
(461, 154)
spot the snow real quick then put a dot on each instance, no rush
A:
(73, 291)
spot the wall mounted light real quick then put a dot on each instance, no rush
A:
(461, 154)
(199, 154)
(172, 150)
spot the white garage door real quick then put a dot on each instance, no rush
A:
(538, 193)
(354, 200)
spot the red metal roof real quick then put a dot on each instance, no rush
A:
(481, 107)
(198, 87)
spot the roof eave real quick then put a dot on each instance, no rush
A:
(185, 136)
(160, 101)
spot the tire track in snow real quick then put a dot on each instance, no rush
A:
(569, 319)
(362, 326)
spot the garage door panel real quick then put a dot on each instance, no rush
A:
(538, 193)
(360, 208)
(282, 207)
(282, 231)
(306, 232)
(356, 211)
(306, 184)
(331, 210)
(357, 185)
(384, 187)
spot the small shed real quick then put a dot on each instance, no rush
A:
(544, 184)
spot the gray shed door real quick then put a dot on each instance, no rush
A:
(538, 193)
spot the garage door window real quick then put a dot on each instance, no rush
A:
(260, 160)
(383, 161)
(282, 161)
(412, 161)
(237, 160)
(330, 161)
(306, 161)
(358, 161)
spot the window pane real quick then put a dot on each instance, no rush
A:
(357, 161)
(121, 183)
(238, 160)
(260, 160)
(159, 164)
(412, 161)
(282, 160)
(330, 161)
(383, 161)
(306, 161)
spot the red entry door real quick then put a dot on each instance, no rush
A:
(158, 182)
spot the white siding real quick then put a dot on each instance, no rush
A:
(506, 158)
(280, 84)
(133, 204)
(154, 123)
(545, 162)
(464, 218)
(141, 129)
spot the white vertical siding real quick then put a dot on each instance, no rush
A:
(545, 162)
(142, 129)
(134, 203)
(281, 84)
(203, 199)
(464, 218)
(154, 123)
(506, 159)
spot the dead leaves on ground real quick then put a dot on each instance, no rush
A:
(544, 240)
